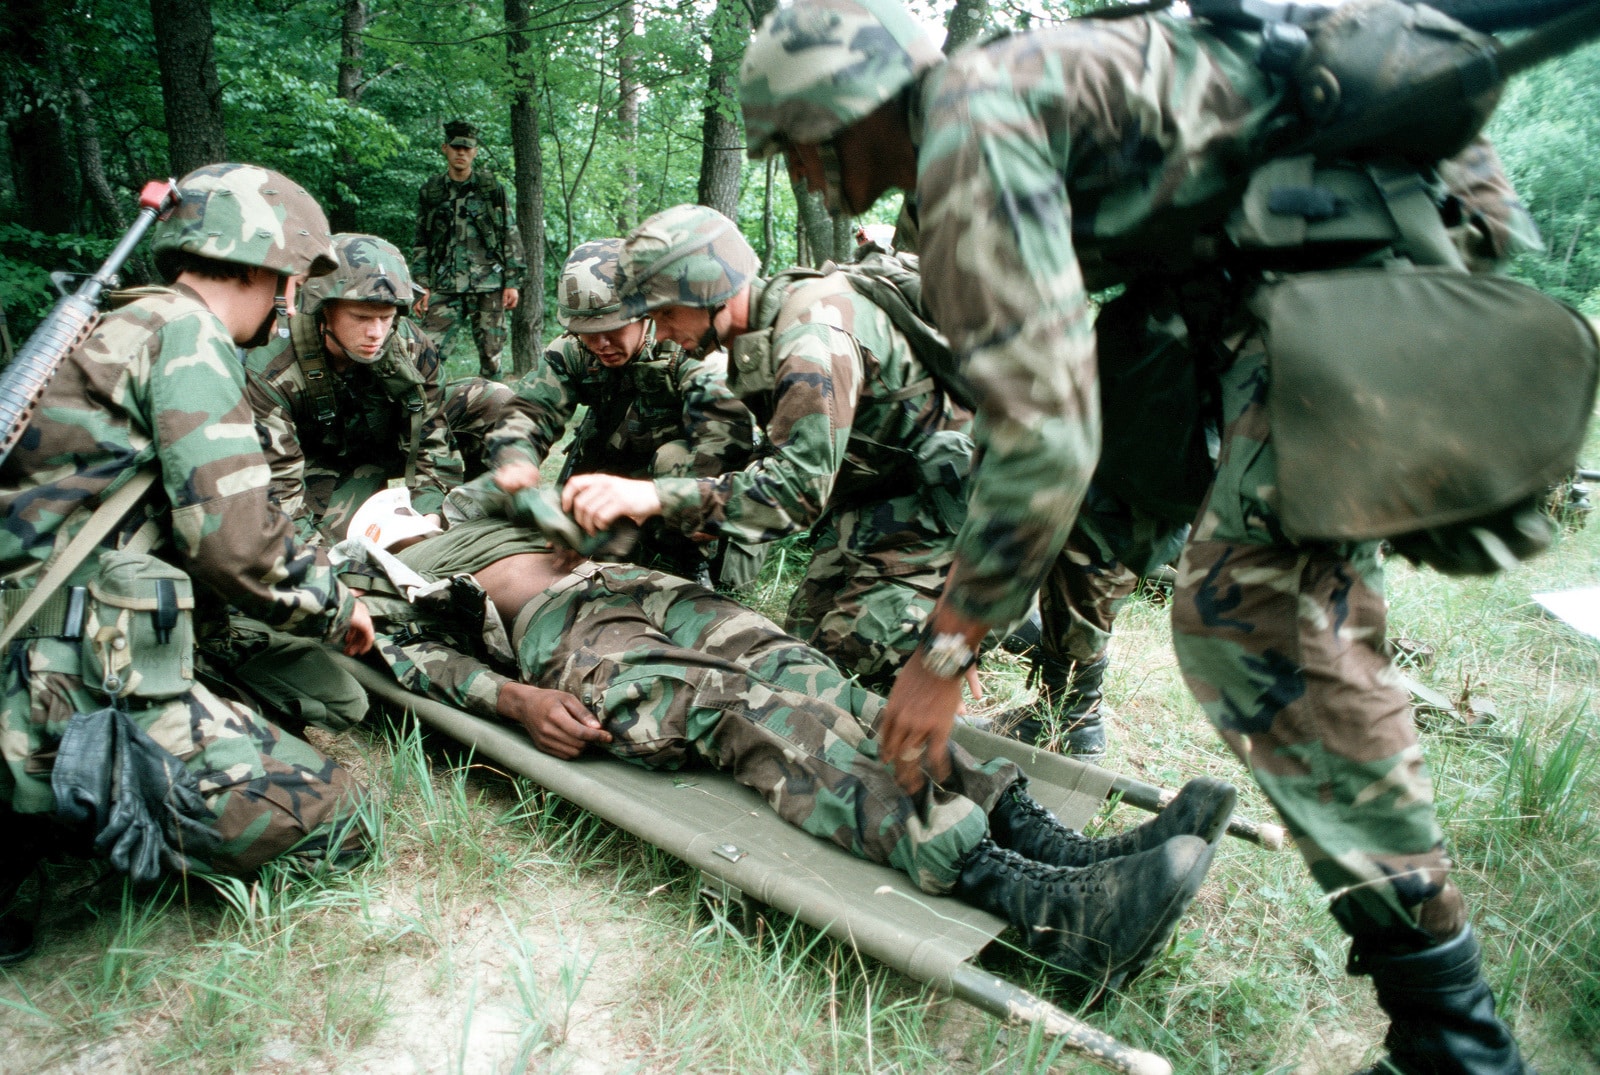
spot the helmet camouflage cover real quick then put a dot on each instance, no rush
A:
(587, 299)
(689, 255)
(250, 215)
(817, 66)
(370, 270)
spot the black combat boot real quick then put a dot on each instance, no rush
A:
(1441, 1012)
(1017, 822)
(1073, 689)
(1098, 925)
(16, 919)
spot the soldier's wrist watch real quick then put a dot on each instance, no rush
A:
(946, 654)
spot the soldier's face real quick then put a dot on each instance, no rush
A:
(686, 326)
(357, 330)
(617, 347)
(460, 159)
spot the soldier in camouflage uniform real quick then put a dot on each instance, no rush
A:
(151, 767)
(862, 447)
(351, 399)
(653, 411)
(467, 252)
(666, 674)
(1031, 163)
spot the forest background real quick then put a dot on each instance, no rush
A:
(595, 113)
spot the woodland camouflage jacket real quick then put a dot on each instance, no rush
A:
(466, 240)
(846, 404)
(159, 380)
(661, 396)
(379, 408)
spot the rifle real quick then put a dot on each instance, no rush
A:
(24, 380)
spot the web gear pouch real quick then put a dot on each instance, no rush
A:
(1409, 399)
(944, 462)
(138, 631)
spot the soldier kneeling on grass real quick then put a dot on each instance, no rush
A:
(112, 749)
(664, 673)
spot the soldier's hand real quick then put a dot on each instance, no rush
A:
(514, 477)
(598, 500)
(914, 732)
(556, 721)
(422, 303)
(508, 298)
(358, 637)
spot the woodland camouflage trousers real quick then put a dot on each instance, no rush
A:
(1283, 645)
(679, 674)
(1081, 596)
(273, 794)
(481, 311)
(875, 574)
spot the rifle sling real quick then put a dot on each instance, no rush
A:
(105, 519)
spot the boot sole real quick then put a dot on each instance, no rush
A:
(1221, 812)
(1167, 920)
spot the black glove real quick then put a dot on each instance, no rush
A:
(140, 804)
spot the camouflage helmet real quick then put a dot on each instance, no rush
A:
(817, 66)
(587, 299)
(250, 215)
(370, 270)
(689, 255)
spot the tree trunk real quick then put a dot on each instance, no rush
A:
(819, 228)
(342, 205)
(966, 21)
(769, 229)
(42, 167)
(628, 115)
(722, 146)
(527, 320)
(190, 92)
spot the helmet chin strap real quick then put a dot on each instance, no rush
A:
(709, 340)
(278, 315)
(349, 352)
(280, 306)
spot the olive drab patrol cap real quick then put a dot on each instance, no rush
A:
(458, 132)
(689, 255)
(250, 215)
(370, 270)
(587, 299)
(817, 66)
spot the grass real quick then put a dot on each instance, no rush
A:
(496, 928)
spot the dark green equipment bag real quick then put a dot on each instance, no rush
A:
(1409, 401)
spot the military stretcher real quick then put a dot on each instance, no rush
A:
(745, 852)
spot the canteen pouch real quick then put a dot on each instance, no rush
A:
(138, 631)
(1409, 399)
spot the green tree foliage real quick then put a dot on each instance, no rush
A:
(1547, 129)
(430, 61)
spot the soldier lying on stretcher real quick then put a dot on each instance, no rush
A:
(664, 673)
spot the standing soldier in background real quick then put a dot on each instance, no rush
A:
(653, 411)
(1048, 164)
(351, 398)
(467, 253)
(110, 745)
